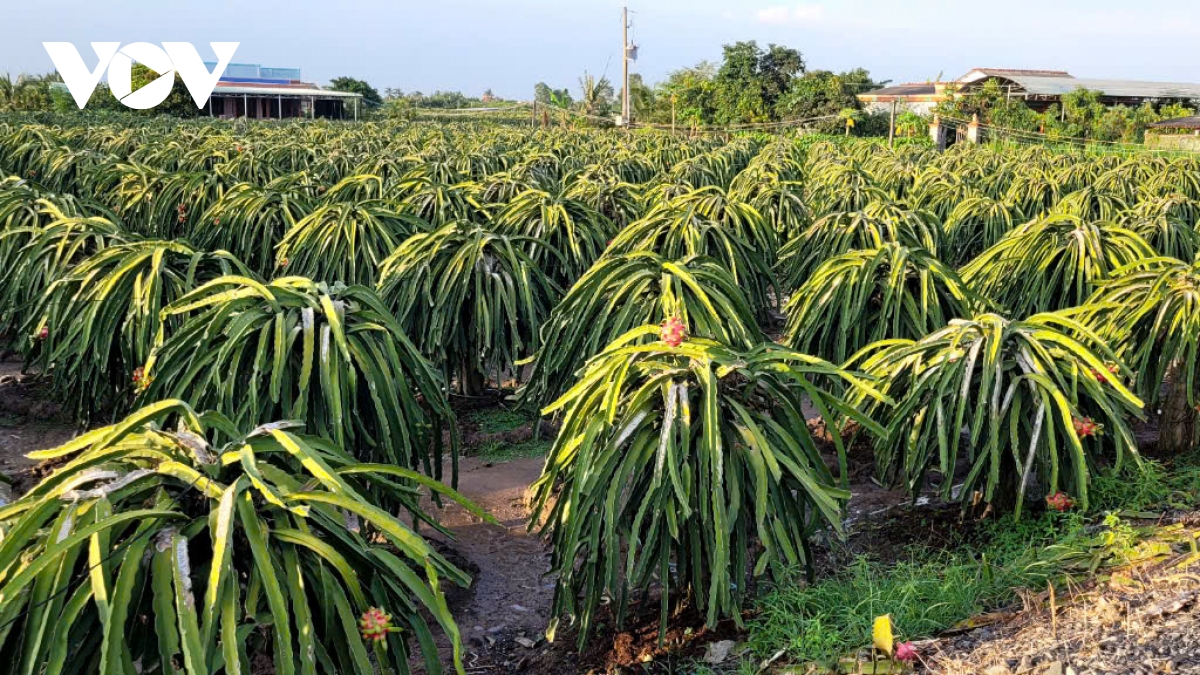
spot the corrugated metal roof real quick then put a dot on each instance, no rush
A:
(1178, 123)
(905, 90)
(283, 90)
(1010, 72)
(1041, 85)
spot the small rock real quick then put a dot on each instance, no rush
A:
(497, 629)
(519, 608)
(718, 652)
(525, 642)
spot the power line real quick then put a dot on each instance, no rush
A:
(754, 126)
(1066, 140)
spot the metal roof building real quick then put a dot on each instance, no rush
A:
(1038, 88)
(250, 90)
(917, 97)
(1042, 87)
(1179, 123)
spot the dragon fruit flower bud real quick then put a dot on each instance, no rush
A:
(375, 624)
(1087, 427)
(906, 652)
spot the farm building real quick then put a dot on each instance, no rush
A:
(250, 90)
(1039, 89)
(1182, 133)
(920, 98)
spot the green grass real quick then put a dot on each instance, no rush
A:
(926, 594)
(934, 590)
(497, 420)
(497, 452)
(1155, 487)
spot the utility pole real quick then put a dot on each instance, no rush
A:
(672, 114)
(625, 66)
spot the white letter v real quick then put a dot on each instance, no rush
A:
(69, 64)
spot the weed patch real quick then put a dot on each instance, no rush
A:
(498, 420)
(496, 452)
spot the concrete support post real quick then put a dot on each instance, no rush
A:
(973, 130)
(937, 132)
(892, 126)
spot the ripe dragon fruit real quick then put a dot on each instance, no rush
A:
(1102, 376)
(1060, 502)
(673, 332)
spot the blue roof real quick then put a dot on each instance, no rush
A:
(253, 72)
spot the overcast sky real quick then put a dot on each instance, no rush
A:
(509, 45)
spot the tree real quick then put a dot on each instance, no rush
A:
(544, 94)
(778, 67)
(690, 92)
(369, 94)
(1080, 114)
(26, 93)
(641, 97)
(910, 125)
(751, 81)
(819, 93)
(597, 95)
(442, 99)
(994, 107)
(179, 103)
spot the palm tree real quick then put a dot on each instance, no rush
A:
(597, 95)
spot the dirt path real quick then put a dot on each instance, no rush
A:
(508, 604)
(27, 424)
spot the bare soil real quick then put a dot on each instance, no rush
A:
(28, 423)
(509, 600)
